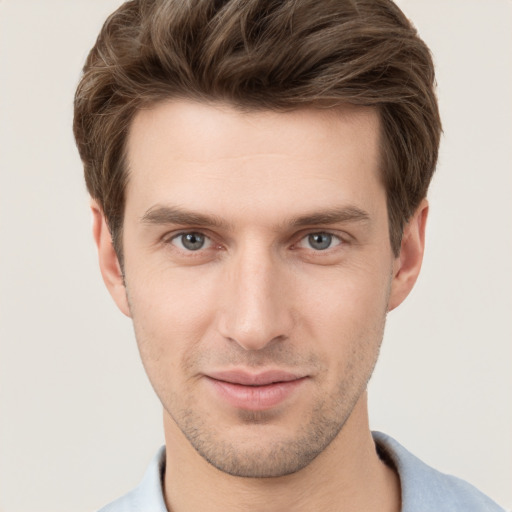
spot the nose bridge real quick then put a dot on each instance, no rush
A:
(257, 311)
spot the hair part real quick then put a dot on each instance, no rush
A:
(260, 55)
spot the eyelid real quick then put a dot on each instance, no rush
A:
(169, 239)
(335, 237)
(343, 237)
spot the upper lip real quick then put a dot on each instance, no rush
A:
(253, 379)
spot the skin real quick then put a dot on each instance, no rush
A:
(261, 295)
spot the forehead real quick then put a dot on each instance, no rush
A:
(213, 156)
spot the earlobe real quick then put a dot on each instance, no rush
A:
(407, 265)
(108, 260)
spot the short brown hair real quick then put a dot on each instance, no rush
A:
(260, 54)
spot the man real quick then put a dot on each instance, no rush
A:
(258, 173)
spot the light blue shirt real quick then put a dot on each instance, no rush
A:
(423, 488)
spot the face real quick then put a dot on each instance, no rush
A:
(258, 274)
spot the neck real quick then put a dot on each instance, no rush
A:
(347, 476)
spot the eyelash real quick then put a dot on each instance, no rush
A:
(190, 233)
(331, 236)
(303, 237)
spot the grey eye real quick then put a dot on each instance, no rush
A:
(320, 241)
(191, 241)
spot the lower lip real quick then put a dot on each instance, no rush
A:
(255, 398)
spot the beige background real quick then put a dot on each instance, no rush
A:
(78, 420)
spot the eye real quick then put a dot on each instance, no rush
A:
(319, 241)
(192, 241)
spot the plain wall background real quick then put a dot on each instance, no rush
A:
(78, 419)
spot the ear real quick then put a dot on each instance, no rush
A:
(407, 265)
(109, 263)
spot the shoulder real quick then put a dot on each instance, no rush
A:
(148, 495)
(425, 489)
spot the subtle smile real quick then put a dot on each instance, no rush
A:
(254, 392)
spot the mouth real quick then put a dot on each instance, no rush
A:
(256, 392)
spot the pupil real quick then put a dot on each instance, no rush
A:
(193, 241)
(320, 241)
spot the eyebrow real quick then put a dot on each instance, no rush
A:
(175, 215)
(332, 216)
(161, 215)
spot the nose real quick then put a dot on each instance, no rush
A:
(258, 306)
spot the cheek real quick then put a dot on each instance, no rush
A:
(171, 313)
(345, 296)
(345, 315)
